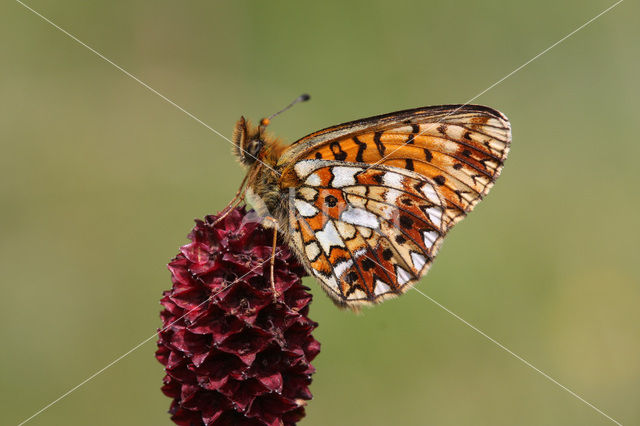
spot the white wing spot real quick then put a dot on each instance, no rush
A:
(418, 261)
(305, 209)
(329, 237)
(361, 217)
(435, 215)
(392, 195)
(431, 194)
(344, 176)
(430, 237)
(303, 168)
(358, 253)
(341, 267)
(313, 180)
(381, 288)
(403, 276)
(394, 180)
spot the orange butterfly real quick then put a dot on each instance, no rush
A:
(365, 205)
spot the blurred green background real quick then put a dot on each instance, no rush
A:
(101, 180)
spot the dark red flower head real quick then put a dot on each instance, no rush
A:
(233, 355)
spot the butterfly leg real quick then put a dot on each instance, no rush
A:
(274, 224)
(234, 202)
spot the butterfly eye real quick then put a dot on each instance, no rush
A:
(253, 148)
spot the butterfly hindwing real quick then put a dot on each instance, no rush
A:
(367, 232)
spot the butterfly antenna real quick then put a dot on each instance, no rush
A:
(302, 98)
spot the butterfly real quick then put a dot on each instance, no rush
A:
(365, 205)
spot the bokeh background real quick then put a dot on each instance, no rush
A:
(101, 179)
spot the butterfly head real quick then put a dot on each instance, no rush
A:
(249, 141)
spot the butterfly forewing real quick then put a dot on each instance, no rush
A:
(461, 148)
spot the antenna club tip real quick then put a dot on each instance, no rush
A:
(304, 97)
(265, 122)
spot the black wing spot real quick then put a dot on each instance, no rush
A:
(407, 201)
(330, 201)
(378, 142)
(318, 155)
(367, 264)
(406, 222)
(440, 180)
(377, 178)
(442, 129)
(427, 155)
(361, 147)
(467, 136)
(415, 129)
(408, 164)
(337, 151)
(466, 153)
(351, 277)
(387, 254)
(400, 239)
(457, 166)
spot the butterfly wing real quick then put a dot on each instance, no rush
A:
(373, 199)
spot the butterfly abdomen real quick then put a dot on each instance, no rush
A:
(265, 194)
